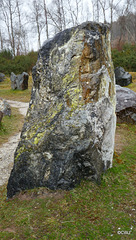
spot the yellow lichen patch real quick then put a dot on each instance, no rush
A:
(73, 96)
(32, 131)
(69, 77)
(55, 109)
(19, 152)
(39, 136)
(32, 106)
(51, 114)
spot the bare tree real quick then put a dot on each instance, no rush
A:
(75, 11)
(69, 8)
(19, 28)
(9, 9)
(96, 10)
(123, 12)
(12, 24)
(46, 18)
(36, 19)
(104, 6)
(112, 7)
(123, 29)
(65, 13)
(57, 16)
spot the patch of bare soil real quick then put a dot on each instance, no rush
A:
(10, 230)
(41, 193)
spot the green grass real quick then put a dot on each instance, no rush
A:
(132, 86)
(17, 95)
(89, 211)
(10, 125)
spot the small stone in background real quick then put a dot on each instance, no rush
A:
(126, 105)
(122, 78)
(20, 81)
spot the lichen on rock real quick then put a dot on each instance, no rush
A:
(68, 134)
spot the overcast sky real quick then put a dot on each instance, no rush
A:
(85, 13)
(87, 9)
(33, 45)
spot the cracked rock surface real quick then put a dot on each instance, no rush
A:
(68, 134)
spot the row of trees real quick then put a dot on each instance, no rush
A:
(24, 63)
(21, 21)
(18, 64)
(125, 58)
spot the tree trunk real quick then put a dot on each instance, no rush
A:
(46, 18)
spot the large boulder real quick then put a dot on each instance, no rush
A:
(69, 129)
(5, 107)
(126, 105)
(2, 77)
(20, 81)
(122, 78)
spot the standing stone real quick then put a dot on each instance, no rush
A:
(122, 78)
(69, 129)
(20, 81)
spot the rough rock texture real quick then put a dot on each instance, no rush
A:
(19, 81)
(69, 129)
(2, 77)
(5, 107)
(122, 78)
(126, 105)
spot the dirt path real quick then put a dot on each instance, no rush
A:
(7, 149)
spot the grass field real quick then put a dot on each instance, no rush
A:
(90, 211)
(16, 95)
(10, 125)
(132, 86)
